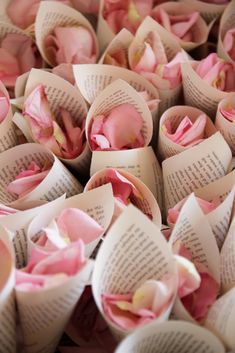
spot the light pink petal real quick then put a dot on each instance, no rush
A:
(5, 210)
(73, 45)
(229, 42)
(184, 125)
(23, 186)
(76, 224)
(37, 108)
(206, 64)
(23, 12)
(118, 132)
(228, 113)
(189, 278)
(147, 61)
(182, 28)
(122, 187)
(164, 19)
(9, 68)
(69, 260)
(195, 133)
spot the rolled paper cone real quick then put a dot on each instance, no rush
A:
(188, 230)
(121, 41)
(200, 29)
(204, 163)
(57, 182)
(221, 317)
(7, 297)
(61, 93)
(226, 127)
(168, 97)
(160, 337)
(93, 78)
(208, 11)
(227, 22)
(174, 115)
(45, 314)
(119, 92)
(147, 204)
(123, 246)
(8, 136)
(97, 203)
(17, 225)
(52, 14)
(227, 259)
(140, 162)
(198, 93)
(104, 33)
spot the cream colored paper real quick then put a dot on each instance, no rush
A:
(3, 13)
(209, 11)
(45, 314)
(198, 93)
(52, 14)
(57, 182)
(148, 204)
(226, 127)
(8, 137)
(134, 250)
(200, 29)
(141, 162)
(18, 223)
(190, 229)
(227, 260)
(194, 168)
(219, 219)
(121, 41)
(175, 114)
(119, 92)
(171, 337)
(7, 304)
(227, 22)
(92, 79)
(61, 93)
(167, 97)
(97, 203)
(104, 32)
(220, 318)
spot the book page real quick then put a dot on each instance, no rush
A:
(120, 42)
(226, 127)
(219, 219)
(8, 136)
(190, 228)
(227, 259)
(7, 303)
(45, 314)
(104, 33)
(200, 29)
(220, 318)
(198, 93)
(134, 251)
(52, 14)
(119, 92)
(17, 224)
(147, 203)
(209, 11)
(141, 162)
(60, 93)
(173, 116)
(3, 14)
(227, 22)
(194, 168)
(57, 182)
(97, 203)
(171, 337)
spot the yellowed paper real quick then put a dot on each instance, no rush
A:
(227, 22)
(123, 263)
(52, 14)
(195, 168)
